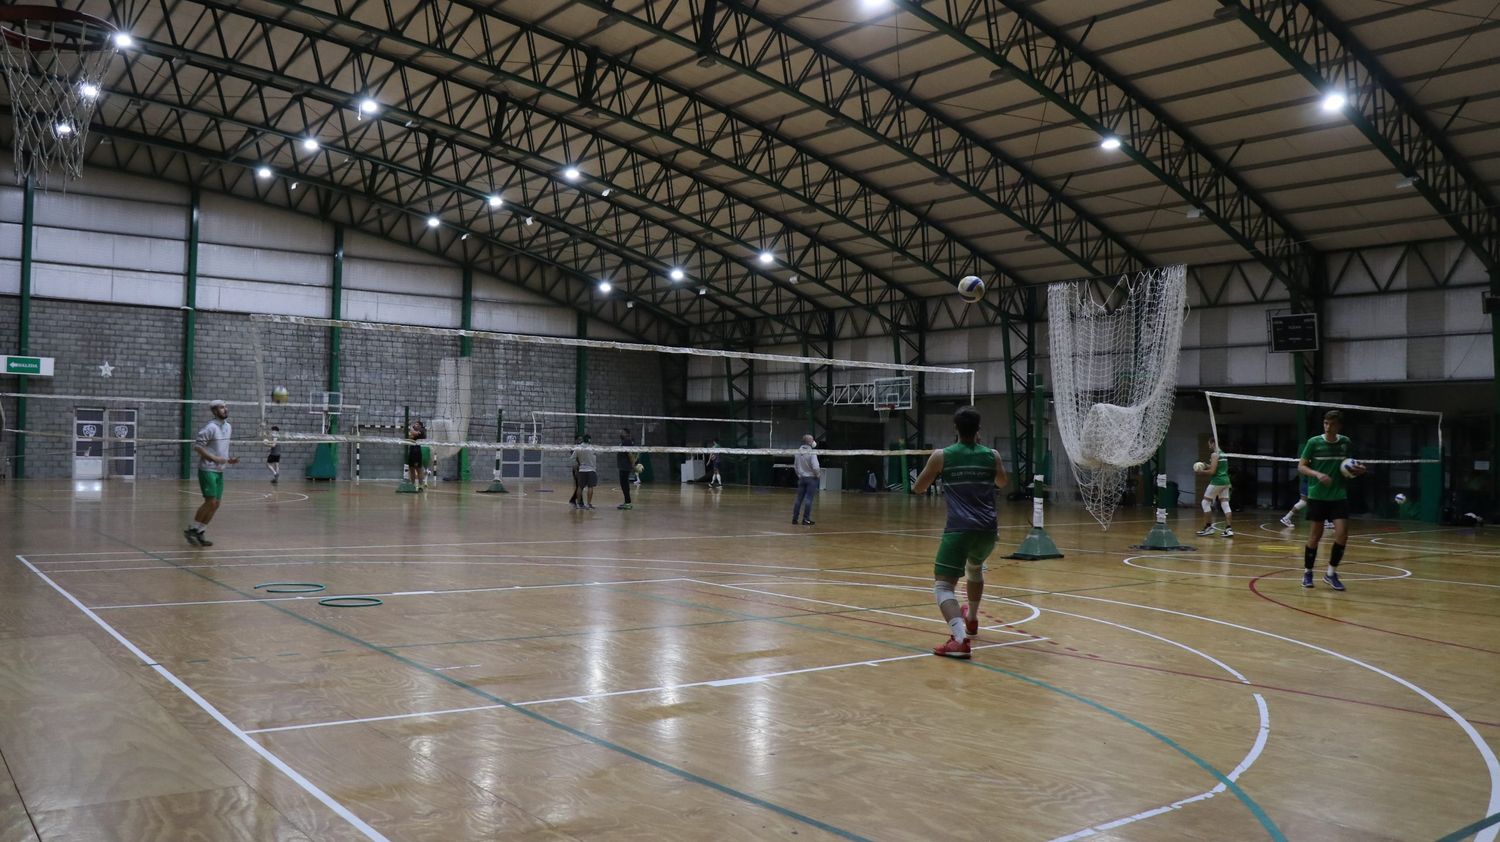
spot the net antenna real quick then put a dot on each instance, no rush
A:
(54, 61)
(1114, 356)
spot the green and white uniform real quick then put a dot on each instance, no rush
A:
(1218, 484)
(1325, 456)
(969, 489)
(213, 438)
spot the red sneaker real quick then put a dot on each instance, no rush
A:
(953, 649)
(971, 624)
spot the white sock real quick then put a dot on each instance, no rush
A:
(199, 527)
(957, 625)
(1299, 505)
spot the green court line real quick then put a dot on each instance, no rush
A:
(1255, 809)
(509, 705)
(1473, 829)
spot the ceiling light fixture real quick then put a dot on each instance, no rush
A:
(1110, 143)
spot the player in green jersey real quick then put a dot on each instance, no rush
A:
(1327, 495)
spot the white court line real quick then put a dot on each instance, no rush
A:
(861, 608)
(321, 595)
(719, 682)
(1234, 775)
(618, 540)
(1363, 577)
(787, 580)
(297, 778)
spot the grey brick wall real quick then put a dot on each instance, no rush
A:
(144, 347)
(381, 372)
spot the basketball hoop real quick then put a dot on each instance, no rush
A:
(54, 60)
(885, 410)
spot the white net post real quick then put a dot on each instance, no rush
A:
(1114, 352)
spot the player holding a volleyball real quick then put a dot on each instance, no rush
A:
(1217, 470)
(1328, 463)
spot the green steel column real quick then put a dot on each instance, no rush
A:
(336, 311)
(466, 349)
(1495, 387)
(23, 344)
(581, 377)
(190, 330)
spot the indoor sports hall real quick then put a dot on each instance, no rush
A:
(749, 419)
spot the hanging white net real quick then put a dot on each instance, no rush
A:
(450, 417)
(1114, 356)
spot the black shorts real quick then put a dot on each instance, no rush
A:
(414, 454)
(588, 479)
(1320, 510)
(273, 458)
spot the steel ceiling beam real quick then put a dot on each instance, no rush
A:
(1323, 51)
(1013, 37)
(512, 53)
(415, 158)
(886, 114)
(409, 188)
(393, 222)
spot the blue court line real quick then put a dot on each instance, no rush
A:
(508, 705)
(1255, 809)
(1471, 830)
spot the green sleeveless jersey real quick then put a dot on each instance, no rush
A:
(969, 488)
(1221, 476)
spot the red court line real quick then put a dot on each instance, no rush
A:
(1255, 590)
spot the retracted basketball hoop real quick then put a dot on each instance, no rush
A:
(54, 61)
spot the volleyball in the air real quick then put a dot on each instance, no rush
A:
(639, 468)
(1347, 467)
(1400, 499)
(971, 288)
(280, 394)
(1200, 467)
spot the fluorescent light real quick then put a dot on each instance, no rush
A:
(368, 106)
(310, 144)
(530, 220)
(606, 192)
(572, 174)
(677, 274)
(433, 222)
(495, 201)
(89, 90)
(64, 129)
(123, 40)
(464, 235)
(263, 172)
(1110, 143)
(605, 286)
(703, 290)
(766, 258)
(1334, 101)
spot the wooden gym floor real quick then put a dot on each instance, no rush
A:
(699, 668)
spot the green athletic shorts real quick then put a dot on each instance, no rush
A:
(212, 483)
(959, 548)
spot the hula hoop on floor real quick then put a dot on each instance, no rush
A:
(291, 587)
(351, 601)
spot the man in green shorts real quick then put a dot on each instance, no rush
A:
(1327, 495)
(212, 447)
(971, 472)
(1217, 471)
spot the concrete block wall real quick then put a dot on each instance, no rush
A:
(143, 346)
(8, 337)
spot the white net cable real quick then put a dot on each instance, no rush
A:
(648, 423)
(1114, 352)
(53, 67)
(1428, 422)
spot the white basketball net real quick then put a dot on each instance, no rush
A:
(53, 92)
(450, 420)
(1114, 375)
